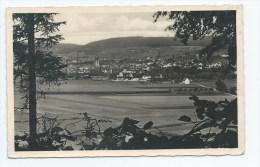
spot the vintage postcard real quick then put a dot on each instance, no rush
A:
(125, 81)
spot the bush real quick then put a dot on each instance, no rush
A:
(231, 76)
(233, 90)
(214, 127)
(221, 86)
(51, 138)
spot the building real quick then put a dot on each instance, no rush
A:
(186, 81)
(96, 63)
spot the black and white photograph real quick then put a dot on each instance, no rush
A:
(125, 81)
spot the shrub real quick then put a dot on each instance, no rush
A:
(231, 76)
(51, 138)
(215, 127)
(233, 90)
(221, 86)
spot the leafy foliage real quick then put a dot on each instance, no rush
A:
(185, 118)
(129, 136)
(51, 136)
(221, 25)
(215, 126)
(220, 117)
(48, 68)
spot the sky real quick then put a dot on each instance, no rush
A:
(82, 28)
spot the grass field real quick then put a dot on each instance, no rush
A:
(103, 86)
(163, 110)
(212, 84)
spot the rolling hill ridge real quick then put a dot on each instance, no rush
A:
(130, 46)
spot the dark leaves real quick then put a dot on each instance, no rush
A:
(230, 111)
(148, 125)
(110, 132)
(194, 98)
(130, 121)
(56, 130)
(200, 113)
(185, 118)
(221, 25)
(208, 135)
(48, 67)
(225, 139)
(213, 114)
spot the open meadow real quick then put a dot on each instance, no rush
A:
(162, 108)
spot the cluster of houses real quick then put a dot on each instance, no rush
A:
(127, 69)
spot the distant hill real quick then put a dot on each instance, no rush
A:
(130, 47)
(64, 48)
(142, 42)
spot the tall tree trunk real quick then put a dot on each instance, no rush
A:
(32, 83)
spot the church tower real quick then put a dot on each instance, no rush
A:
(96, 62)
